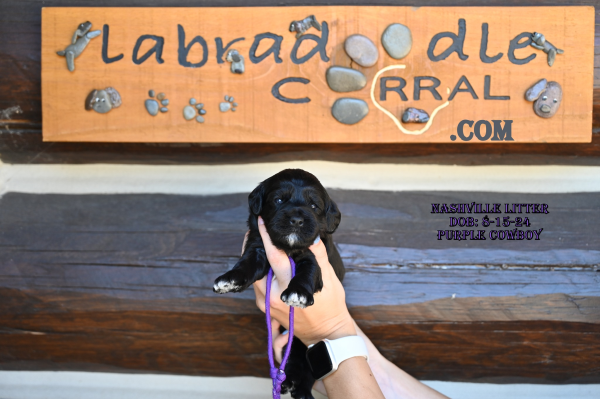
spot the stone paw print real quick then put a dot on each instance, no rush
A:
(153, 106)
(189, 111)
(228, 104)
(397, 42)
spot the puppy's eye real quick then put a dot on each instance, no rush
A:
(279, 201)
(313, 206)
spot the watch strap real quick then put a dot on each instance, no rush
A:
(347, 347)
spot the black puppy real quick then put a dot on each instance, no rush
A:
(296, 209)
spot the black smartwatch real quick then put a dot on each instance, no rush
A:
(325, 357)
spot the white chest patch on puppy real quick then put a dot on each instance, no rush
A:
(292, 239)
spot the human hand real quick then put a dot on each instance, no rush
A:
(328, 317)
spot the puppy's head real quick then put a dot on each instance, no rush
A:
(295, 207)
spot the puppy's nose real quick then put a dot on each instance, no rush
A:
(297, 221)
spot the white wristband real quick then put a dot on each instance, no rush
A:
(325, 356)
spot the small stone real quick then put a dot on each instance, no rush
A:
(199, 106)
(164, 109)
(226, 98)
(114, 97)
(549, 101)
(151, 93)
(102, 103)
(199, 119)
(202, 111)
(349, 110)
(343, 80)
(192, 101)
(362, 50)
(152, 107)
(161, 96)
(230, 99)
(232, 109)
(397, 41)
(534, 91)
(415, 115)
(225, 106)
(165, 102)
(235, 104)
(189, 113)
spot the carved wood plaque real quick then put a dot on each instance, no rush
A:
(402, 74)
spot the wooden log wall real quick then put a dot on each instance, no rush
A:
(122, 282)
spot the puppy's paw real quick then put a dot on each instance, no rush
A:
(297, 388)
(302, 393)
(297, 297)
(232, 281)
(287, 386)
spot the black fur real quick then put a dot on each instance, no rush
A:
(293, 203)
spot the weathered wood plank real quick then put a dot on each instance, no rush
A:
(123, 283)
(24, 145)
(44, 332)
(20, 50)
(216, 223)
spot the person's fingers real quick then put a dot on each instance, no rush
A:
(261, 285)
(245, 241)
(278, 343)
(277, 258)
(320, 252)
(259, 293)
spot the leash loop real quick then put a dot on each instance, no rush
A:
(278, 374)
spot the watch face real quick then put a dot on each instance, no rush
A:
(319, 360)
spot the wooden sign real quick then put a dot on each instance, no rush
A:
(403, 74)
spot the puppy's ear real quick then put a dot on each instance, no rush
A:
(333, 217)
(255, 199)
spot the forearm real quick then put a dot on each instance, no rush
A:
(353, 379)
(397, 384)
(393, 381)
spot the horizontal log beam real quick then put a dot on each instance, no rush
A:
(123, 283)
(226, 337)
(20, 112)
(26, 146)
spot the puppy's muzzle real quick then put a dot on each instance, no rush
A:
(297, 221)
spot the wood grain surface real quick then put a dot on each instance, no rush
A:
(260, 117)
(21, 116)
(123, 283)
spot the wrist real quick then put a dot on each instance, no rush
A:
(343, 328)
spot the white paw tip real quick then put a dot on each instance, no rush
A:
(295, 300)
(223, 287)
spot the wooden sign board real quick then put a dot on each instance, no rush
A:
(283, 94)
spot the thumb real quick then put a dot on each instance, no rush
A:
(277, 258)
(319, 250)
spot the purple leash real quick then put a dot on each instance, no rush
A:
(278, 374)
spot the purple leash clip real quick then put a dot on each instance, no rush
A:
(278, 374)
